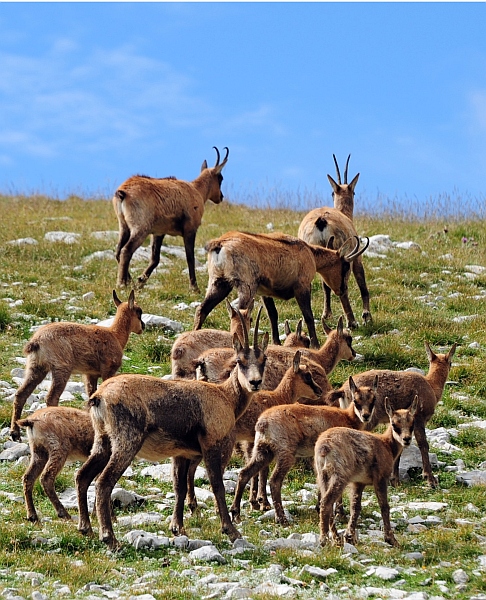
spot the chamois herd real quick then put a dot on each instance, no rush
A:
(273, 402)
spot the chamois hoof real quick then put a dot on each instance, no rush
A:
(264, 506)
(353, 324)
(432, 481)
(367, 318)
(235, 516)
(391, 539)
(232, 533)
(64, 515)
(33, 518)
(86, 530)
(15, 435)
(195, 289)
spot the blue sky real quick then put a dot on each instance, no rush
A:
(91, 93)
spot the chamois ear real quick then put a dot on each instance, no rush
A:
(204, 165)
(414, 406)
(325, 326)
(334, 185)
(237, 343)
(265, 342)
(388, 408)
(131, 300)
(375, 383)
(287, 329)
(296, 361)
(298, 330)
(352, 385)
(431, 355)
(116, 300)
(450, 354)
(352, 185)
(340, 326)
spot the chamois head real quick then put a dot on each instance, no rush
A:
(337, 276)
(134, 310)
(215, 194)
(364, 399)
(444, 358)
(343, 190)
(250, 362)
(402, 421)
(342, 337)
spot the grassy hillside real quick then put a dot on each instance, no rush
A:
(417, 294)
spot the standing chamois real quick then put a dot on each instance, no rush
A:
(322, 224)
(65, 348)
(401, 387)
(345, 456)
(273, 265)
(139, 415)
(160, 207)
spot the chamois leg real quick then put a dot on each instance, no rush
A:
(52, 469)
(38, 461)
(91, 383)
(327, 312)
(215, 294)
(355, 495)
(262, 456)
(180, 470)
(264, 503)
(119, 461)
(135, 240)
(330, 492)
(189, 243)
(273, 318)
(33, 376)
(359, 275)
(304, 301)
(346, 304)
(381, 491)
(420, 437)
(213, 462)
(285, 461)
(191, 494)
(97, 461)
(154, 259)
(60, 377)
(123, 237)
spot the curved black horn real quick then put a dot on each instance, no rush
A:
(355, 253)
(225, 159)
(346, 170)
(337, 169)
(218, 157)
(255, 332)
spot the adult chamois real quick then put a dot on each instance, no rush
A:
(168, 206)
(321, 224)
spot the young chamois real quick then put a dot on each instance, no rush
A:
(190, 344)
(296, 385)
(215, 365)
(322, 224)
(65, 348)
(358, 458)
(401, 387)
(138, 415)
(273, 265)
(160, 207)
(286, 433)
(57, 434)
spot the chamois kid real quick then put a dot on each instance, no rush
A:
(358, 458)
(65, 348)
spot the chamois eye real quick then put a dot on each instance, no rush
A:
(396, 429)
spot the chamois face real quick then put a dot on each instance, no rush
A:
(250, 363)
(364, 399)
(215, 193)
(402, 422)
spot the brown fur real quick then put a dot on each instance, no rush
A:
(66, 348)
(275, 266)
(344, 456)
(160, 207)
(56, 435)
(285, 433)
(320, 225)
(401, 387)
(138, 415)
(190, 344)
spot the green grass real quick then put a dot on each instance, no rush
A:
(37, 275)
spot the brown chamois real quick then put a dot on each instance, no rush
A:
(401, 387)
(65, 348)
(190, 344)
(57, 434)
(358, 458)
(296, 385)
(286, 433)
(297, 338)
(215, 365)
(322, 224)
(139, 415)
(160, 207)
(273, 265)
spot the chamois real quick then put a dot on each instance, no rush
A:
(273, 265)
(56, 434)
(190, 344)
(160, 207)
(322, 224)
(296, 385)
(139, 415)
(285, 433)
(401, 388)
(358, 458)
(215, 365)
(64, 348)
